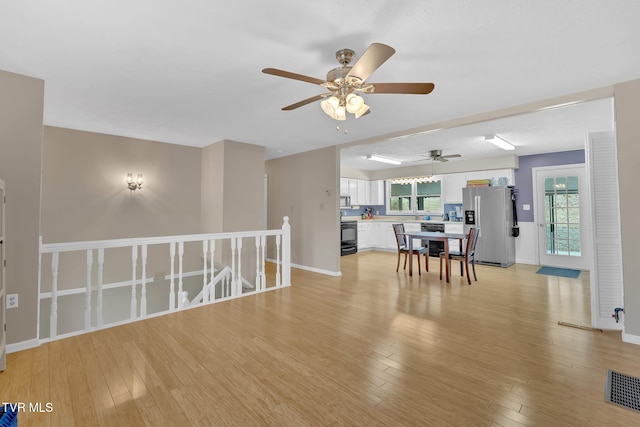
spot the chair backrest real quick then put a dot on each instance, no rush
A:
(472, 239)
(398, 229)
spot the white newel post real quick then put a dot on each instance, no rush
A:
(205, 291)
(87, 303)
(100, 273)
(180, 256)
(258, 273)
(53, 318)
(278, 278)
(134, 265)
(143, 292)
(286, 252)
(172, 285)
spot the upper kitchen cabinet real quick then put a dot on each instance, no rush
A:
(363, 192)
(452, 185)
(377, 192)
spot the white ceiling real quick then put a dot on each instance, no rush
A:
(190, 72)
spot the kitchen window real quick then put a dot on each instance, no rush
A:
(414, 196)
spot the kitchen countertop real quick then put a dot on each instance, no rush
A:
(398, 219)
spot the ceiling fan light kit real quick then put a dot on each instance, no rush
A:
(500, 142)
(383, 159)
(342, 83)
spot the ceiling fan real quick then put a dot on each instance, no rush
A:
(436, 155)
(345, 82)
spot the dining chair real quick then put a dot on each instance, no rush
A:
(467, 257)
(403, 248)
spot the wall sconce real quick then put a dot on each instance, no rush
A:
(134, 185)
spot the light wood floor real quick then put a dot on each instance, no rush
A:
(373, 347)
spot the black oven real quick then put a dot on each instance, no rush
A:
(348, 237)
(435, 247)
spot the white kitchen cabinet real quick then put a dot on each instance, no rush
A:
(376, 192)
(452, 185)
(364, 234)
(344, 186)
(375, 235)
(364, 192)
(389, 236)
(455, 227)
(382, 236)
(353, 191)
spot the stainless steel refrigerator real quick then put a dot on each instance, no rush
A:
(491, 209)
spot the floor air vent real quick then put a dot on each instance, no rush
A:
(623, 390)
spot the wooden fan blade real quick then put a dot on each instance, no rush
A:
(451, 156)
(372, 58)
(294, 76)
(305, 102)
(406, 88)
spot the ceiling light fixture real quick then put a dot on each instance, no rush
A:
(499, 142)
(384, 160)
(337, 107)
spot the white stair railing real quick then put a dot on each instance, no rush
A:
(68, 279)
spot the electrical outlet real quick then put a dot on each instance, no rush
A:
(12, 301)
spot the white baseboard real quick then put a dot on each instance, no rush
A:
(317, 270)
(631, 339)
(23, 345)
(313, 269)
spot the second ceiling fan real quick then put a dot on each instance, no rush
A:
(345, 82)
(436, 155)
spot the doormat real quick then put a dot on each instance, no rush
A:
(622, 390)
(562, 272)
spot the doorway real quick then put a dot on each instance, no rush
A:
(563, 216)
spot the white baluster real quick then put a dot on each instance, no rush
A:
(239, 280)
(100, 274)
(212, 292)
(258, 280)
(134, 265)
(205, 290)
(172, 286)
(227, 283)
(286, 252)
(87, 303)
(180, 256)
(53, 317)
(278, 280)
(233, 267)
(143, 292)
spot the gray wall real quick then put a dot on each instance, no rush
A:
(21, 109)
(524, 180)
(627, 106)
(233, 196)
(305, 187)
(84, 196)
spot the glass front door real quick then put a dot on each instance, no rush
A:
(563, 217)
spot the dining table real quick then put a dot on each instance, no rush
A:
(434, 236)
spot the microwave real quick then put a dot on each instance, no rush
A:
(345, 201)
